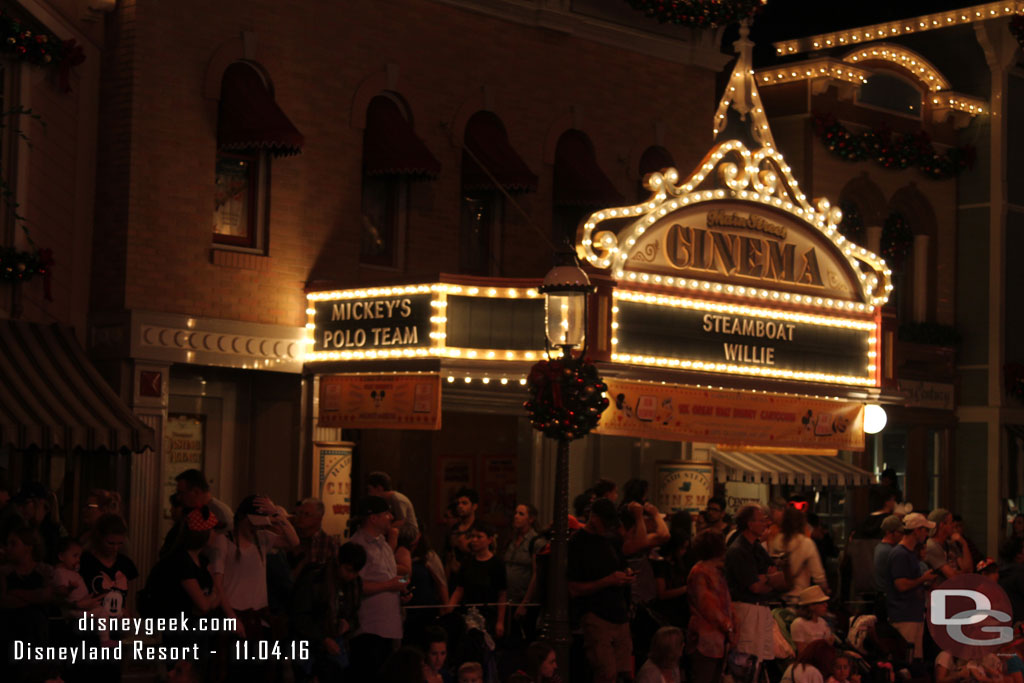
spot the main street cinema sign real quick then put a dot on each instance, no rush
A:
(732, 269)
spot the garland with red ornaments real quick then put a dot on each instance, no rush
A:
(18, 40)
(697, 13)
(566, 397)
(897, 239)
(892, 151)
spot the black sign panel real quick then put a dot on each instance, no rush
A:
(711, 337)
(391, 322)
(491, 323)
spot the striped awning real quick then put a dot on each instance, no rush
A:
(771, 468)
(51, 396)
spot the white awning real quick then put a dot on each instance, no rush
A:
(52, 397)
(774, 468)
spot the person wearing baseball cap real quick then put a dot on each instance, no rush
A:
(946, 551)
(905, 594)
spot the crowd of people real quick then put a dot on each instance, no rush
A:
(654, 597)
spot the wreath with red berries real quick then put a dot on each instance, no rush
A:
(697, 13)
(897, 239)
(566, 397)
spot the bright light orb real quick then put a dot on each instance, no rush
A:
(874, 418)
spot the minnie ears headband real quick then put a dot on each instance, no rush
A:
(200, 519)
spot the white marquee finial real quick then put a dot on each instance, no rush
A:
(741, 93)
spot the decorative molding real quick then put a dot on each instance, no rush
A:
(166, 338)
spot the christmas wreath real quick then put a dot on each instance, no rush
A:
(889, 150)
(897, 239)
(852, 225)
(697, 13)
(566, 397)
(21, 266)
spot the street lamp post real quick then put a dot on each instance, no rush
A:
(567, 403)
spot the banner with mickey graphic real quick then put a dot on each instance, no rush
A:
(680, 413)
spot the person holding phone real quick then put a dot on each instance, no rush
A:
(905, 594)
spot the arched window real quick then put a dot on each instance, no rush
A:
(393, 155)
(490, 167)
(580, 186)
(251, 128)
(892, 93)
(908, 246)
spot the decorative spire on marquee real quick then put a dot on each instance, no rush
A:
(742, 165)
(741, 99)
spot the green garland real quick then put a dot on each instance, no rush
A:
(852, 225)
(897, 239)
(566, 397)
(697, 13)
(891, 151)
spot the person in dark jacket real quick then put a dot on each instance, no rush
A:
(324, 611)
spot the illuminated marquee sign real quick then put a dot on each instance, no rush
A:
(729, 243)
(383, 322)
(705, 335)
(437, 320)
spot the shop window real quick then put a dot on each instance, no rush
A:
(239, 215)
(251, 128)
(383, 220)
(892, 93)
(580, 186)
(490, 168)
(479, 232)
(393, 156)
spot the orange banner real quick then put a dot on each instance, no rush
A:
(678, 413)
(380, 401)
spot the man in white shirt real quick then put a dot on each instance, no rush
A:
(380, 615)
(379, 484)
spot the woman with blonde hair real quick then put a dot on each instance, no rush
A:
(662, 665)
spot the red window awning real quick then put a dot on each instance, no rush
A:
(579, 181)
(391, 146)
(487, 141)
(249, 117)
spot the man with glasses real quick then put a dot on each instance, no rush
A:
(714, 514)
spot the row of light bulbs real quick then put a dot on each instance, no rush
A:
(822, 68)
(928, 22)
(825, 219)
(433, 288)
(737, 309)
(749, 370)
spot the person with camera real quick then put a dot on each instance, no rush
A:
(754, 581)
(599, 585)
